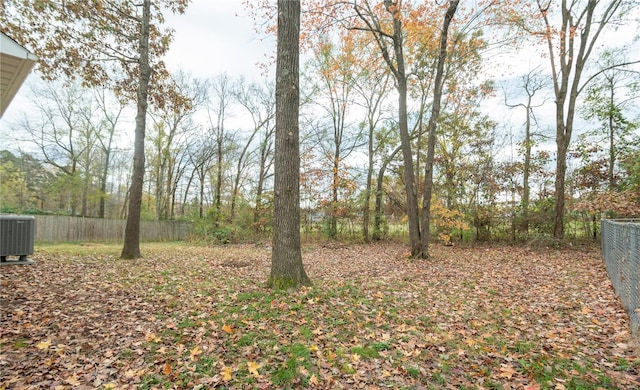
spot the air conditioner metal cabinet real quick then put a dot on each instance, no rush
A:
(17, 233)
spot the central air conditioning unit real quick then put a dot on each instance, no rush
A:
(17, 234)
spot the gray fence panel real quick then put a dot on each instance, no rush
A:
(621, 254)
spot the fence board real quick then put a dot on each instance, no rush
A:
(56, 228)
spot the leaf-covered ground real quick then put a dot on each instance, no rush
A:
(200, 317)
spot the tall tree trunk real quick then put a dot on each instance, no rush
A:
(257, 213)
(131, 249)
(160, 170)
(612, 145)
(561, 172)
(239, 172)
(218, 190)
(433, 123)
(367, 193)
(377, 221)
(287, 269)
(103, 181)
(409, 177)
(526, 187)
(333, 208)
(407, 156)
(202, 176)
(85, 194)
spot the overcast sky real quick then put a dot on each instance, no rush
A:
(217, 36)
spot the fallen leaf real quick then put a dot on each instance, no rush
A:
(226, 373)
(227, 328)
(44, 344)
(151, 337)
(195, 352)
(506, 371)
(73, 381)
(253, 368)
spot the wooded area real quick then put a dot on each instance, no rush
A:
(395, 124)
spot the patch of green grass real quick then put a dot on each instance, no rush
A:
(368, 352)
(381, 346)
(298, 355)
(524, 346)
(306, 333)
(76, 248)
(622, 364)
(427, 322)
(187, 323)
(413, 372)
(347, 369)
(299, 351)
(20, 343)
(498, 342)
(492, 291)
(284, 374)
(171, 334)
(582, 384)
(438, 378)
(544, 369)
(493, 385)
(246, 339)
(127, 353)
(152, 381)
(206, 365)
(336, 321)
(469, 284)
(252, 296)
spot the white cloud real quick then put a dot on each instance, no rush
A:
(214, 37)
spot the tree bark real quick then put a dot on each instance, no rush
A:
(433, 123)
(265, 152)
(367, 194)
(377, 221)
(287, 270)
(131, 249)
(407, 156)
(612, 129)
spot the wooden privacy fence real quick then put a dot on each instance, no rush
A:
(56, 228)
